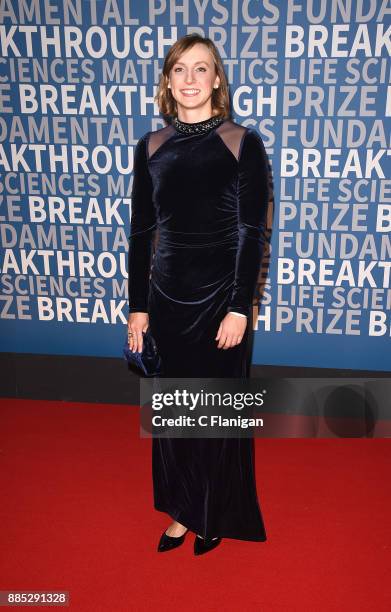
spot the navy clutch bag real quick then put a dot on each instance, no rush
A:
(149, 360)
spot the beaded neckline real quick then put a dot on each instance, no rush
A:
(199, 127)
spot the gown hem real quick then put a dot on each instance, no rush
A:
(226, 535)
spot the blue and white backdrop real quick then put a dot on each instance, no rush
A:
(77, 80)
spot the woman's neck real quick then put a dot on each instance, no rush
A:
(194, 117)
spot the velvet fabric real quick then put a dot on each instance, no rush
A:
(197, 236)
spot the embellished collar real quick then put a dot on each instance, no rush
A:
(200, 127)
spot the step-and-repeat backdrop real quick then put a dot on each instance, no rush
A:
(77, 81)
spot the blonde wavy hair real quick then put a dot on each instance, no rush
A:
(220, 96)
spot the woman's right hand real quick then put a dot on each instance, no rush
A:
(138, 322)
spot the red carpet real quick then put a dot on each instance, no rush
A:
(77, 514)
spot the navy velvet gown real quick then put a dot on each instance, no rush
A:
(199, 205)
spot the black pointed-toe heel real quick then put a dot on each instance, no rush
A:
(204, 545)
(169, 542)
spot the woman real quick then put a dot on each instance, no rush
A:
(202, 182)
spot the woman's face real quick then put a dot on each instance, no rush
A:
(193, 78)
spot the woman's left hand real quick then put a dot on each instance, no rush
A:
(231, 331)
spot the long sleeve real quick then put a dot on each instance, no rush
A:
(253, 198)
(142, 226)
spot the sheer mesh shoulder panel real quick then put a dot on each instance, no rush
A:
(232, 135)
(156, 139)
